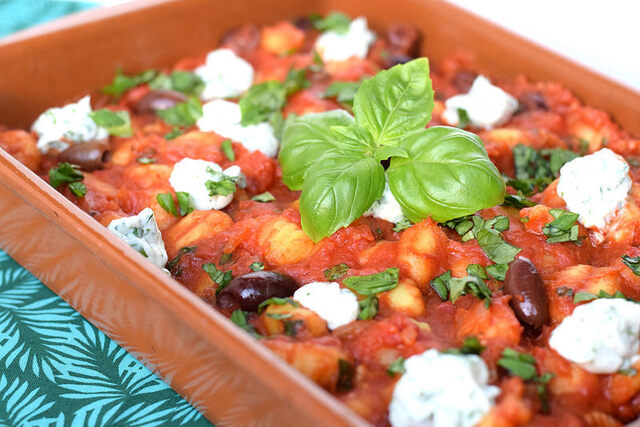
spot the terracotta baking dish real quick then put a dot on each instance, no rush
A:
(220, 369)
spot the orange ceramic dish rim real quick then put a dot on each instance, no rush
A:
(117, 255)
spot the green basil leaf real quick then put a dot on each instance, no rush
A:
(498, 271)
(440, 284)
(495, 247)
(184, 114)
(344, 92)
(264, 197)
(296, 80)
(633, 263)
(402, 225)
(241, 319)
(117, 123)
(517, 201)
(368, 308)
(396, 367)
(78, 189)
(519, 364)
(165, 200)
(336, 272)
(386, 151)
(176, 132)
(227, 149)
(261, 101)
(477, 270)
(276, 301)
(463, 118)
(186, 82)
(579, 297)
(185, 250)
(221, 278)
(63, 173)
(305, 139)
(470, 345)
(563, 228)
(146, 160)
(122, 83)
(335, 21)
(184, 202)
(337, 192)
(373, 284)
(448, 175)
(395, 102)
(256, 266)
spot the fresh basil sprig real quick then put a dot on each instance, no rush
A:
(117, 123)
(334, 158)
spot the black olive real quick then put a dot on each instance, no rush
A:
(403, 40)
(248, 291)
(463, 80)
(88, 155)
(158, 100)
(532, 100)
(529, 302)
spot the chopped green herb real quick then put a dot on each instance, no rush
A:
(318, 63)
(335, 21)
(225, 258)
(588, 296)
(184, 202)
(264, 197)
(396, 367)
(373, 284)
(78, 189)
(517, 201)
(256, 266)
(498, 271)
(563, 228)
(541, 389)
(402, 225)
(220, 188)
(291, 327)
(536, 169)
(219, 277)
(452, 288)
(228, 150)
(633, 263)
(463, 118)
(296, 80)
(279, 316)
(64, 173)
(146, 160)
(520, 364)
(487, 233)
(175, 132)
(184, 114)
(122, 83)
(336, 272)
(165, 200)
(261, 101)
(240, 318)
(470, 345)
(477, 270)
(344, 92)
(368, 307)
(345, 376)
(186, 250)
(117, 123)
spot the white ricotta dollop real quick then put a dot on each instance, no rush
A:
(333, 46)
(58, 128)
(486, 105)
(224, 117)
(387, 207)
(191, 176)
(442, 390)
(595, 186)
(335, 305)
(225, 75)
(601, 336)
(141, 232)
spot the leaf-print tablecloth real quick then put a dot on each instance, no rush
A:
(56, 369)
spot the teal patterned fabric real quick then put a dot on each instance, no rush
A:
(56, 369)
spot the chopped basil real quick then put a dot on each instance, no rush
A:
(318, 63)
(396, 367)
(541, 389)
(517, 201)
(180, 81)
(345, 376)
(487, 234)
(335, 21)
(563, 228)
(184, 114)
(498, 271)
(264, 197)
(401, 225)
(261, 101)
(225, 258)
(219, 277)
(344, 92)
(220, 188)
(296, 80)
(588, 296)
(227, 149)
(522, 365)
(186, 250)
(64, 173)
(240, 318)
(291, 327)
(122, 83)
(184, 202)
(277, 301)
(477, 270)
(633, 263)
(117, 123)
(256, 266)
(373, 284)
(175, 132)
(470, 345)
(536, 169)
(146, 160)
(78, 189)
(336, 272)
(279, 316)
(368, 307)
(452, 288)
(165, 200)
(463, 118)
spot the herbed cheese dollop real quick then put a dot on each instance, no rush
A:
(334, 46)
(225, 75)
(386, 207)
(442, 390)
(601, 336)
(57, 128)
(224, 118)
(141, 232)
(192, 175)
(486, 105)
(335, 305)
(595, 187)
